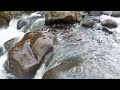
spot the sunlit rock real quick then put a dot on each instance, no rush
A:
(62, 17)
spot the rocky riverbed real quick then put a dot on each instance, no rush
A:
(61, 45)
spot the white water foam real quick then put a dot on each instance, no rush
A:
(5, 35)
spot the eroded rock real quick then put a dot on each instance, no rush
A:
(28, 54)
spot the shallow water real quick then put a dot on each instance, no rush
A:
(99, 50)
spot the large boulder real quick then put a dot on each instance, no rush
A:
(52, 17)
(28, 54)
(109, 23)
(115, 14)
(61, 71)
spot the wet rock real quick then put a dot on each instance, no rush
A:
(95, 13)
(115, 14)
(1, 50)
(109, 23)
(6, 67)
(38, 25)
(62, 17)
(28, 54)
(107, 31)
(88, 23)
(10, 43)
(21, 23)
(22, 62)
(59, 72)
(107, 12)
(30, 24)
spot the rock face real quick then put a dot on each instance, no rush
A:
(116, 14)
(62, 17)
(59, 72)
(109, 23)
(10, 43)
(28, 54)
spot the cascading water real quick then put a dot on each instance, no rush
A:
(100, 50)
(7, 34)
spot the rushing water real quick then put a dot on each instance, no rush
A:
(99, 49)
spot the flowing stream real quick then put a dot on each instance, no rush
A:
(100, 49)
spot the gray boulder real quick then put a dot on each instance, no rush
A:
(109, 23)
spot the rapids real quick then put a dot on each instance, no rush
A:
(99, 49)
